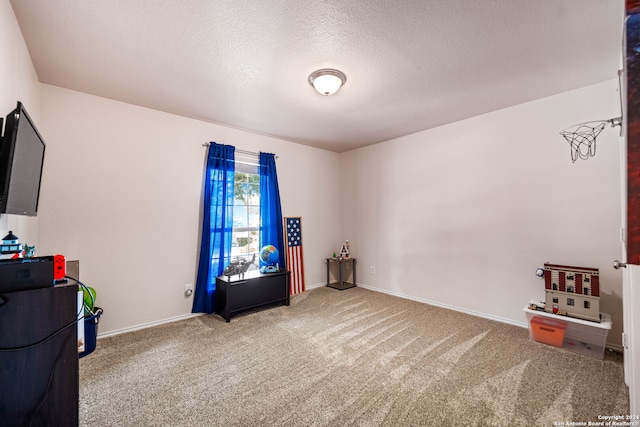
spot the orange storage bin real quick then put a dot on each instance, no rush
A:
(548, 331)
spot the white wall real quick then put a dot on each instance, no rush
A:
(18, 82)
(122, 194)
(461, 215)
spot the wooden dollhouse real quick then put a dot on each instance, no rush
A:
(572, 291)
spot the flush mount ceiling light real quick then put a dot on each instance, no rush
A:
(327, 81)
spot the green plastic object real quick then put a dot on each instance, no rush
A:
(89, 299)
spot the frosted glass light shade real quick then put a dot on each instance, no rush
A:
(327, 81)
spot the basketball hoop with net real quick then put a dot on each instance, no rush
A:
(582, 137)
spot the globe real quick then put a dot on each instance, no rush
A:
(269, 254)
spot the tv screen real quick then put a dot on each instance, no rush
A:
(21, 160)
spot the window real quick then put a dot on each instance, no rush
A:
(555, 300)
(246, 211)
(555, 286)
(587, 304)
(571, 302)
(571, 289)
(585, 291)
(236, 219)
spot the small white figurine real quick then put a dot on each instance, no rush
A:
(344, 252)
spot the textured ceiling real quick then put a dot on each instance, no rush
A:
(411, 65)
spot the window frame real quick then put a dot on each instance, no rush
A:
(247, 167)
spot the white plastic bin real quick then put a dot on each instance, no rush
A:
(581, 336)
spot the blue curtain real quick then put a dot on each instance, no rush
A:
(217, 226)
(271, 227)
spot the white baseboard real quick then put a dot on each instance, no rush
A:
(437, 304)
(320, 285)
(148, 325)
(169, 320)
(613, 347)
(448, 307)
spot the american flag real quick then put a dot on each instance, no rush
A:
(294, 253)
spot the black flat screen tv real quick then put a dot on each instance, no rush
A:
(21, 161)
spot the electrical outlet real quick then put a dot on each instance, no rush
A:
(188, 290)
(372, 270)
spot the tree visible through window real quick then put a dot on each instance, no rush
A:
(246, 215)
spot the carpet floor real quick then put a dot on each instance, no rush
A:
(344, 358)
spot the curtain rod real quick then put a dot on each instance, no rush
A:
(250, 153)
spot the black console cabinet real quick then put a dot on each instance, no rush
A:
(39, 357)
(235, 294)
